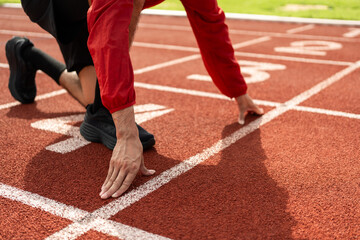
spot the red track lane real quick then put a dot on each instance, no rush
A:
(296, 177)
(19, 221)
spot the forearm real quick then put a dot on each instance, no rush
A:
(108, 43)
(137, 8)
(125, 123)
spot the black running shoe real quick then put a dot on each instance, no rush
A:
(22, 74)
(99, 127)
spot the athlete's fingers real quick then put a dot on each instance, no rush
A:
(125, 185)
(109, 183)
(115, 184)
(241, 119)
(110, 171)
(257, 110)
(145, 171)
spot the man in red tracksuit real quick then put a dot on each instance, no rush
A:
(111, 26)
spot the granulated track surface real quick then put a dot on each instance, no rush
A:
(293, 173)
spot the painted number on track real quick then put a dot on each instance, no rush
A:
(317, 48)
(62, 125)
(253, 71)
(353, 32)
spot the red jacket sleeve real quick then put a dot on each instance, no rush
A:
(108, 43)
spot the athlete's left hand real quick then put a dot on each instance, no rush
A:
(246, 104)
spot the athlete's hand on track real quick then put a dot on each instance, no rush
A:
(246, 104)
(127, 157)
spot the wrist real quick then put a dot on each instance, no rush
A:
(241, 97)
(124, 121)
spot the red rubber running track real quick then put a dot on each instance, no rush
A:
(292, 174)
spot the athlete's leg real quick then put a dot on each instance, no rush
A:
(81, 86)
(62, 17)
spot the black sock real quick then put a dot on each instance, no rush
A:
(44, 62)
(97, 100)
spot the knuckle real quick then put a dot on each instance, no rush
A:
(125, 165)
(133, 167)
(112, 161)
(117, 164)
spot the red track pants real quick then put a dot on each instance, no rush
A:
(108, 23)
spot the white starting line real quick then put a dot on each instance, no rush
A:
(74, 214)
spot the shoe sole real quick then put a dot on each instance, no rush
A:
(10, 48)
(94, 134)
(10, 55)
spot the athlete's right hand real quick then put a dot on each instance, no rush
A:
(127, 157)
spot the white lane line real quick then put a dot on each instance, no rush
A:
(250, 33)
(22, 33)
(327, 112)
(197, 56)
(166, 47)
(108, 227)
(139, 71)
(74, 214)
(51, 94)
(290, 35)
(167, 64)
(199, 94)
(194, 49)
(45, 204)
(322, 85)
(180, 90)
(259, 102)
(157, 26)
(293, 59)
(165, 177)
(236, 46)
(37, 98)
(251, 42)
(4, 65)
(9, 105)
(199, 77)
(301, 29)
(196, 93)
(112, 228)
(245, 54)
(13, 17)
